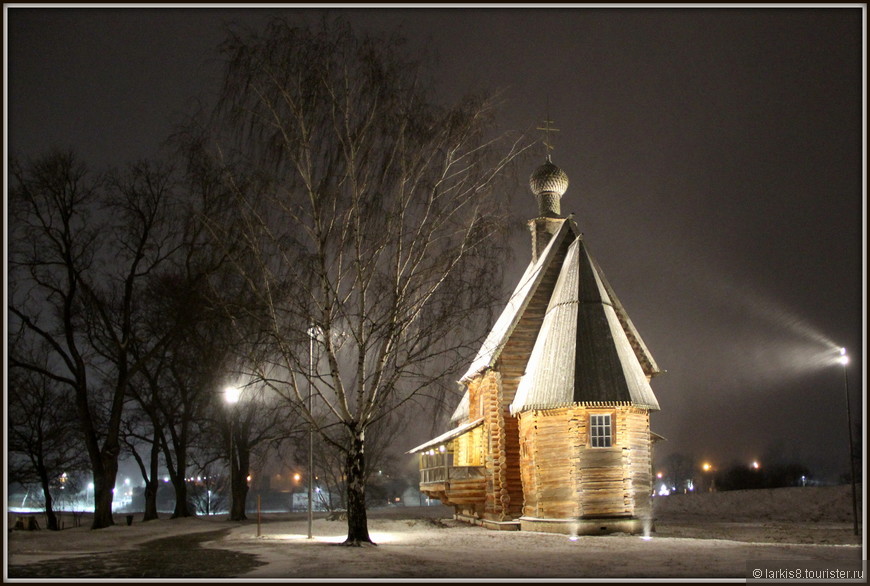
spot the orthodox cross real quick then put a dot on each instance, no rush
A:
(547, 130)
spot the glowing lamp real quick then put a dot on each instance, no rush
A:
(231, 394)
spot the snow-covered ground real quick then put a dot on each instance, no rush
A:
(697, 536)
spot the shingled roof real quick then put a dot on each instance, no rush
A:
(587, 350)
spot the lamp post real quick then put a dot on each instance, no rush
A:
(313, 332)
(844, 360)
(709, 476)
(231, 395)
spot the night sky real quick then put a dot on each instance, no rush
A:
(715, 160)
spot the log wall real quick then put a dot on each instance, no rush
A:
(563, 477)
(505, 501)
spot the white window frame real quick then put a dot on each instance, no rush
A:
(597, 424)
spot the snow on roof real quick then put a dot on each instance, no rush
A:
(504, 325)
(462, 410)
(444, 437)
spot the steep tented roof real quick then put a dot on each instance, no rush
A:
(504, 325)
(587, 350)
(643, 354)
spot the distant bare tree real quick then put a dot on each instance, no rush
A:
(247, 429)
(43, 439)
(140, 432)
(84, 247)
(176, 386)
(369, 218)
(681, 471)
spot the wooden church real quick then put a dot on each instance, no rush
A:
(553, 430)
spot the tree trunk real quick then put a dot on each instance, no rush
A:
(239, 466)
(357, 522)
(182, 507)
(150, 500)
(151, 483)
(240, 496)
(176, 476)
(104, 483)
(49, 507)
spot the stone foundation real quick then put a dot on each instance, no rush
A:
(487, 524)
(600, 526)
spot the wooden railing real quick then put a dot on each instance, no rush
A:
(438, 467)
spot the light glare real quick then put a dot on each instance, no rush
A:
(232, 395)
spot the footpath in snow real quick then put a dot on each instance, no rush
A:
(721, 535)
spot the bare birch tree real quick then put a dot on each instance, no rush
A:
(371, 222)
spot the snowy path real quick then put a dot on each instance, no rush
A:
(416, 549)
(698, 536)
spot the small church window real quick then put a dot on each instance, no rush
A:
(600, 431)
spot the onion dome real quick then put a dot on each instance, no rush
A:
(548, 183)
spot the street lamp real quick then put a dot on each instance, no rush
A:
(844, 360)
(313, 332)
(231, 396)
(709, 476)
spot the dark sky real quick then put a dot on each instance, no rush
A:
(715, 159)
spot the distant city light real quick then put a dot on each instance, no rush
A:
(755, 465)
(707, 466)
